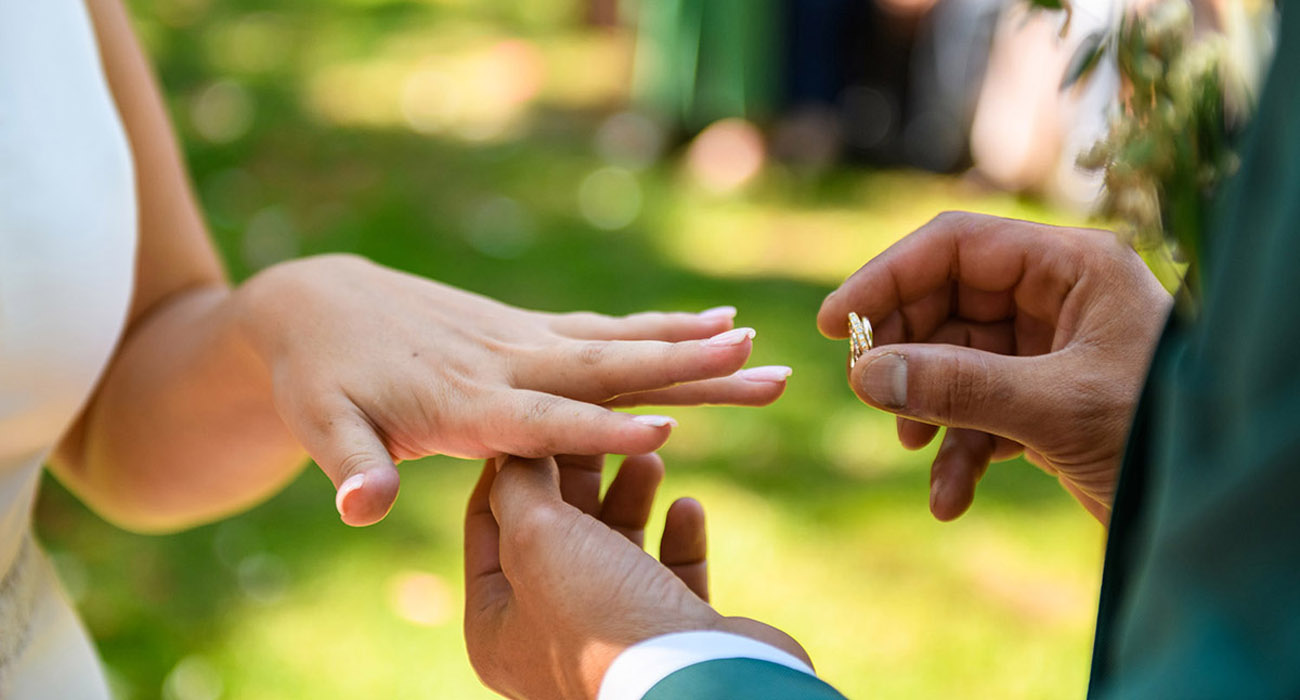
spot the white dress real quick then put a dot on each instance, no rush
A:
(67, 251)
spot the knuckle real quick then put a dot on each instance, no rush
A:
(967, 387)
(591, 353)
(540, 409)
(355, 462)
(952, 219)
(531, 528)
(949, 216)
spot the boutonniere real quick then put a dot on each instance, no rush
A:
(1189, 86)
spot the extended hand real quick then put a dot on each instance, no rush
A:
(557, 586)
(1016, 336)
(369, 366)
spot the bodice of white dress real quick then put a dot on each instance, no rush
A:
(67, 251)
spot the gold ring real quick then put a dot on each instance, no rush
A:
(861, 337)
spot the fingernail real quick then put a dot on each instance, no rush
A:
(353, 483)
(884, 379)
(735, 336)
(936, 488)
(655, 421)
(774, 373)
(718, 312)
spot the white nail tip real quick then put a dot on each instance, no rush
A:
(354, 482)
(775, 373)
(735, 336)
(718, 312)
(655, 421)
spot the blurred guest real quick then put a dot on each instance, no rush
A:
(1028, 133)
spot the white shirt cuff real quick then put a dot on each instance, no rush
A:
(641, 666)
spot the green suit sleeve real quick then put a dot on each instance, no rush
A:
(741, 679)
(1201, 594)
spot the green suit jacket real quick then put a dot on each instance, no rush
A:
(1201, 594)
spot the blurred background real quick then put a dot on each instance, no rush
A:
(616, 155)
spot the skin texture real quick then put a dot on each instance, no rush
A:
(1015, 337)
(216, 394)
(557, 583)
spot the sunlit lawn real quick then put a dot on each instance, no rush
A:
(818, 518)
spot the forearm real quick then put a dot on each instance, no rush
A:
(183, 428)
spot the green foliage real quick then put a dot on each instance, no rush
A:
(818, 518)
(1170, 147)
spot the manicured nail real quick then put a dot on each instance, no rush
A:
(735, 336)
(354, 482)
(774, 373)
(655, 421)
(718, 312)
(884, 379)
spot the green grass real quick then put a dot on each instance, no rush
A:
(818, 518)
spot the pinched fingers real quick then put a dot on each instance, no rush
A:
(598, 371)
(650, 325)
(684, 548)
(964, 388)
(981, 252)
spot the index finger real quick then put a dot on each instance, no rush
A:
(981, 252)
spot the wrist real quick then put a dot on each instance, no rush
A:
(270, 305)
(600, 654)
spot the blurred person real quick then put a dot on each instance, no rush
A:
(164, 398)
(1179, 433)
(1027, 133)
(700, 61)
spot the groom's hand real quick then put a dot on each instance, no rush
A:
(1013, 335)
(556, 582)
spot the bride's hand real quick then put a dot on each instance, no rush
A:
(369, 365)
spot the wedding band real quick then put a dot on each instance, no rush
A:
(861, 337)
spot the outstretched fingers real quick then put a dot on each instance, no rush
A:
(649, 325)
(535, 424)
(753, 386)
(598, 370)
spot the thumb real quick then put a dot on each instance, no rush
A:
(527, 505)
(524, 489)
(356, 460)
(956, 386)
